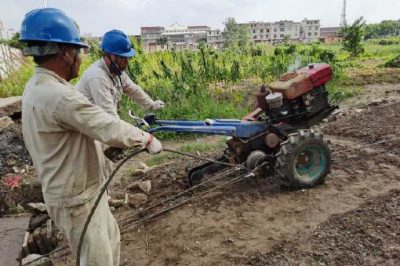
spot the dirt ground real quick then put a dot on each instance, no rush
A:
(351, 219)
(247, 221)
(14, 157)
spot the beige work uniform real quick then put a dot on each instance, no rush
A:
(62, 131)
(105, 90)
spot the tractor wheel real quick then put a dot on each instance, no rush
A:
(304, 160)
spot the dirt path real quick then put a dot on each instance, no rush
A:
(251, 216)
(351, 219)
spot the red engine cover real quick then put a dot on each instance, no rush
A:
(318, 73)
(295, 84)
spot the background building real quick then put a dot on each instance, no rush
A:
(310, 30)
(285, 30)
(181, 37)
(330, 35)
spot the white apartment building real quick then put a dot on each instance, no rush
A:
(311, 30)
(179, 37)
(215, 39)
(276, 32)
(151, 38)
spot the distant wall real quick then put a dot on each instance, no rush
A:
(11, 60)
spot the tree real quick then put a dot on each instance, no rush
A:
(14, 41)
(137, 44)
(353, 37)
(244, 36)
(383, 29)
(235, 35)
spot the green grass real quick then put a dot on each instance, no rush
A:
(346, 91)
(194, 148)
(14, 85)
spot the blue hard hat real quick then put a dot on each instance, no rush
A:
(50, 25)
(118, 43)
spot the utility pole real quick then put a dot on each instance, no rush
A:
(343, 22)
(44, 3)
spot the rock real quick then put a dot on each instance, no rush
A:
(46, 241)
(11, 161)
(376, 102)
(358, 111)
(393, 158)
(38, 220)
(36, 260)
(144, 186)
(37, 237)
(37, 207)
(136, 200)
(5, 122)
(173, 175)
(385, 166)
(369, 151)
(116, 202)
(360, 172)
(25, 248)
(140, 169)
(16, 170)
(10, 105)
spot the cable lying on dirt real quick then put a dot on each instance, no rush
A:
(203, 159)
(378, 142)
(165, 210)
(192, 188)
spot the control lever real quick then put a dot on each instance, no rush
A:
(140, 122)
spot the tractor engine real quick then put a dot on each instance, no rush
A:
(298, 98)
(292, 104)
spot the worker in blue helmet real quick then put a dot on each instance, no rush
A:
(62, 131)
(105, 81)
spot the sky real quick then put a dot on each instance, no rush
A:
(99, 16)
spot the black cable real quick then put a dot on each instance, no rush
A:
(103, 189)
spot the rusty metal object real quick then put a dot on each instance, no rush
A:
(272, 140)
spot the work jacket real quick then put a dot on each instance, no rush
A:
(105, 89)
(62, 131)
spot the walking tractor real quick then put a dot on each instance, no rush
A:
(277, 134)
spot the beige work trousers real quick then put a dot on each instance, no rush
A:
(101, 245)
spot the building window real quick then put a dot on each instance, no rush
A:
(316, 28)
(309, 34)
(254, 31)
(266, 36)
(282, 29)
(275, 29)
(274, 36)
(255, 37)
(261, 31)
(315, 33)
(267, 30)
(282, 36)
